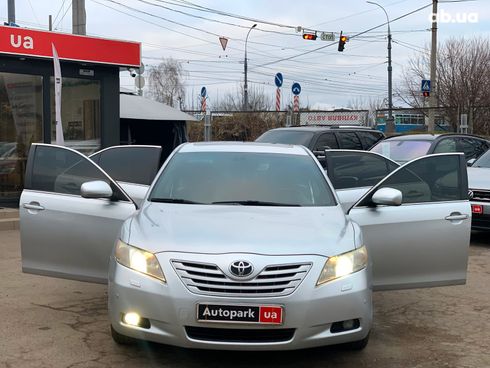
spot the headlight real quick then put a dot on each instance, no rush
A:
(343, 264)
(138, 260)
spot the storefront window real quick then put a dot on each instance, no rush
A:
(21, 117)
(80, 114)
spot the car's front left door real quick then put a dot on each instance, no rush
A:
(62, 233)
(424, 241)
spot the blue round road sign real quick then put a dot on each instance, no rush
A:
(296, 88)
(203, 92)
(278, 80)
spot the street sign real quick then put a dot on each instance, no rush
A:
(203, 92)
(223, 41)
(139, 81)
(327, 36)
(278, 80)
(425, 85)
(296, 88)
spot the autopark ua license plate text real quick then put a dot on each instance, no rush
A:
(265, 314)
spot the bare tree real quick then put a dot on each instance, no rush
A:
(463, 80)
(166, 82)
(372, 104)
(257, 100)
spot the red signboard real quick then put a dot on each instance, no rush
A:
(28, 42)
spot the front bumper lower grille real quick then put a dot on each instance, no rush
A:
(209, 279)
(240, 335)
(480, 195)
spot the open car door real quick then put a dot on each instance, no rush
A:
(416, 224)
(71, 213)
(353, 173)
(133, 167)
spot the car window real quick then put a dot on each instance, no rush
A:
(63, 171)
(130, 164)
(446, 145)
(472, 147)
(483, 161)
(218, 177)
(286, 137)
(402, 150)
(431, 179)
(349, 140)
(369, 139)
(326, 141)
(357, 169)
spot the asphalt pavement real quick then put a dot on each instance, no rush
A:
(47, 322)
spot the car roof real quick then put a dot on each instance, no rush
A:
(252, 147)
(429, 137)
(316, 128)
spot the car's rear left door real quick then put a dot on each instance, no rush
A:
(424, 241)
(62, 233)
(133, 167)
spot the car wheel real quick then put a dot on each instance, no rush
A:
(357, 345)
(122, 339)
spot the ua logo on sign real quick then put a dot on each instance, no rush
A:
(19, 41)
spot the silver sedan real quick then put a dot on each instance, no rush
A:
(243, 246)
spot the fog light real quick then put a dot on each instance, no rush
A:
(347, 325)
(132, 319)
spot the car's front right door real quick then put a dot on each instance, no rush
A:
(62, 233)
(424, 241)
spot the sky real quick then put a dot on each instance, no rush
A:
(189, 32)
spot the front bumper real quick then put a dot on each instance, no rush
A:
(309, 311)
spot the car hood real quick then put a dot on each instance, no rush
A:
(218, 229)
(479, 178)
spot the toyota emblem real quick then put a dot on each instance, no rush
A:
(470, 194)
(241, 268)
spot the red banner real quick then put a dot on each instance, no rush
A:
(28, 42)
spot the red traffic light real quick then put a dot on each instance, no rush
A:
(309, 36)
(426, 94)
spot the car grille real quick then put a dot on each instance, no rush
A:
(209, 279)
(481, 195)
(240, 335)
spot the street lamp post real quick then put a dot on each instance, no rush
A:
(390, 126)
(245, 68)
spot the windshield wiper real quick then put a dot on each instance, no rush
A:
(257, 203)
(173, 200)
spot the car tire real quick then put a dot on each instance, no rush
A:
(122, 339)
(357, 345)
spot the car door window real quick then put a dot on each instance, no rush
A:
(353, 169)
(349, 140)
(369, 139)
(472, 147)
(432, 179)
(326, 141)
(130, 164)
(60, 170)
(446, 145)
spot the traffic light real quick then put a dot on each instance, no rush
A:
(342, 40)
(309, 36)
(426, 94)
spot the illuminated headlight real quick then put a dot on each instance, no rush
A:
(139, 260)
(343, 264)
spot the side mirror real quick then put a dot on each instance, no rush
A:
(96, 189)
(387, 197)
(470, 162)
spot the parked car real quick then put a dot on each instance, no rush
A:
(243, 246)
(404, 148)
(479, 193)
(319, 138)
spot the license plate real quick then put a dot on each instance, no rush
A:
(259, 314)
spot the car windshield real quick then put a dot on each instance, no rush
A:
(402, 150)
(286, 137)
(238, 178)
(483, 161)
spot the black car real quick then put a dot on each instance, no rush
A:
(404, 148)
(317, 138)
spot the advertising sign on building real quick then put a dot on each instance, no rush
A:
(334, 118)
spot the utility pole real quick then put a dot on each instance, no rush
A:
(245, 69)
(50, 22)
(11, 11)
(79, 21)
(433, 70)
